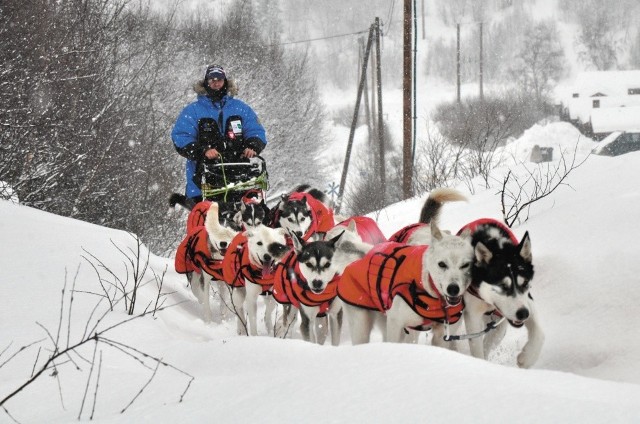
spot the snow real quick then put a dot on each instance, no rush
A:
(586, 289)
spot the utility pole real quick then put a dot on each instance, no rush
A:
(458, 60)
(481, 54)
(383, 171)
(354, 121)
(423, 31)
(367, 109)
(406, 104)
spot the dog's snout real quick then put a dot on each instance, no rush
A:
(453, 290)
(223, 244)
(266, 257)
(522, 314)
(316, 284)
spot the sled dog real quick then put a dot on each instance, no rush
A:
(501, 284)
(304, 212)
(307, 277)
(227, 211)
(412, 286)
(248, 268)
(200, 255)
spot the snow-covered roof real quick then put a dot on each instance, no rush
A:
(605, 120)
(609, 83)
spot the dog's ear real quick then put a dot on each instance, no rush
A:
(483, 254)
(525, 248)
(237, 218)
(352, 226)
(298, 243)
(466, 234)
(435, 232)
(332, 242)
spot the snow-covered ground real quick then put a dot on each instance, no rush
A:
(585, 245)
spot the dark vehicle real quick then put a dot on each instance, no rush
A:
(618, 143)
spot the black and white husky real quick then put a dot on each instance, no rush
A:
(501, 281)
(502, 274)
(319, 262)
(295, 213)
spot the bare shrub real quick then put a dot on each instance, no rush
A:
(519, 193)
(65, 349)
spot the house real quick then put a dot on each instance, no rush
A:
(599, 90)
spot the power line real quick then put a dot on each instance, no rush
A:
(321, 38)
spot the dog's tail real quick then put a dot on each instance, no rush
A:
(432, 206)
(216, 230)
(181, 199)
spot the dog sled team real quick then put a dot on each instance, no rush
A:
(320, 267)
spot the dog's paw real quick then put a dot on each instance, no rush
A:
(526, 360)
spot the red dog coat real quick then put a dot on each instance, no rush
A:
(367, 228)
(193, 254)
(403, 234)
(393, 269)
(288, 290)
(236, 266)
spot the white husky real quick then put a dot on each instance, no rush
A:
(218, 238)
(248, 269)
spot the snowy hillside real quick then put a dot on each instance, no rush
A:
(586, 285)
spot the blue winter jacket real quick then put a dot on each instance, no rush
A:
(185, 130)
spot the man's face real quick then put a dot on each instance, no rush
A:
(216, 84)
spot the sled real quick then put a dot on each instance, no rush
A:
(238, 179)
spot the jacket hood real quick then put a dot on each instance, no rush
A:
(232, 89)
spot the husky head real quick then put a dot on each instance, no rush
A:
(266, 246)
(252, 214)
(228, 211)
(294, 215)
(448, 262)
(219, 236)
(349, 246)
(316, 262)
(502, 273)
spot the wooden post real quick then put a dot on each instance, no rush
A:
(481, 91)
(458, 60)
(354, 121)
(406, 104)
(383, 171)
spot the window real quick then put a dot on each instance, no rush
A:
(596, 104)
(633, 91)
(575, 95)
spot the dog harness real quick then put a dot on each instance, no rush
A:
(404, 234)
(193, 254)
(394, 269)
(473, 226)
(367, 228)
(236, 266)
(197, 215)
(290, 286)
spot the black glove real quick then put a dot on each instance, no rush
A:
(255, 144)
